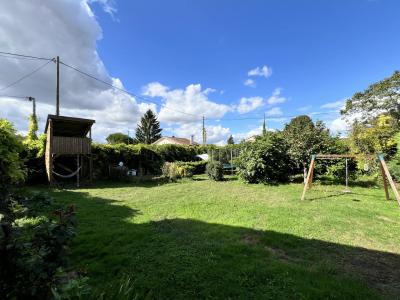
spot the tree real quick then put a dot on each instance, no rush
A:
(306, 138)
(119, 138)
(230, 141)
(149, 129)
(33, 128)
(264, 130)
(383, 96)
(379, 137)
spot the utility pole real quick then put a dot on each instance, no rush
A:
(204, 134)
(33, 106)
(58, 87)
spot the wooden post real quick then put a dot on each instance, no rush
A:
(50, 145)
(90, 158)
(389, 177)
(309, 175)
(385, 184)
(58, 87)
(77, 173)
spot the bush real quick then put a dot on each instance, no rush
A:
(394, 169)
(215, 170)
(199, 167)
(139, 157)
(11, 165)
(172, 153)
(33, 248)
(265, 161)
(173, 171)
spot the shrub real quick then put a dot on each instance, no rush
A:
(394, 168)
(265, 161)
(11, 166)
(172, 153)
(199, 167)
(215, 170)
(33, 247)
(173, 171)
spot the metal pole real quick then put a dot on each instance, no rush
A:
(347, 177)
(231, 163)
(58, 87)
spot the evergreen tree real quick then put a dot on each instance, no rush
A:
(230, 141)
(264, 130)
(149, 129)
(33, 128)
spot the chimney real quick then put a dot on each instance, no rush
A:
(192, 139)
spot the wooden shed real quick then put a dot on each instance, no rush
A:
(68, 148)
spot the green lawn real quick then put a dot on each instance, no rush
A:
(204, 239)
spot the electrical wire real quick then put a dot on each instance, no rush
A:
(125, 91)
(24, 56)
(25, 76)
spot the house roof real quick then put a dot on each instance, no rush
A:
(69, 126)
(175, 140)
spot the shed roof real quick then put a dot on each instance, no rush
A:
(69, 126)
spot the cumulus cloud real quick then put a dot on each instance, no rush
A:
(68, 29)
(216, 134)
(263, 71)
(250, 82)
(185, 105)
(274, 112)
(334, 105)
(276, 97)
(249, 104)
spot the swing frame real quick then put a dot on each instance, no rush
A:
(382, 163)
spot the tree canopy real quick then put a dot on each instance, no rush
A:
(149, 129)
(378, 98)
(119, 138)
(230, 140)
(305, 138)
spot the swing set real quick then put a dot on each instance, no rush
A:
(387, 178)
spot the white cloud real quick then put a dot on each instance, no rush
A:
(250, 82)
(60, 28)
(108, 6)
(334, 105)
(263, 71)
(185, 105)
(249, 104)
(216, 134)
(274, 112)
(276, 97)
(338, 125)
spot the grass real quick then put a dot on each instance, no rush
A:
(204, 239)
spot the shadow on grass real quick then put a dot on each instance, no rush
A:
(186, 258)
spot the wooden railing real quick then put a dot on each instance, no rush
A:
(71, 145)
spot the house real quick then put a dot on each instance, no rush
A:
(166, 140)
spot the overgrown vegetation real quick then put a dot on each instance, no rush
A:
(215, 171)
(33, 244)
(266, 160)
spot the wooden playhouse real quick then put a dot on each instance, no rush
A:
(68, 148)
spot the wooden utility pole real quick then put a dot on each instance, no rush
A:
(58, 87)
(33, 106)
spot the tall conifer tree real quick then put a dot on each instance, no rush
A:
(149, 129)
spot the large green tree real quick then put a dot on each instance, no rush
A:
(119, 138)
(149, 129)
(306, 138)
(230, 140)
(378, 98)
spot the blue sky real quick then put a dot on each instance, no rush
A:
(227, 60)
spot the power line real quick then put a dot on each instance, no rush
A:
(24, 56)
(125, 91)
(25, 76)
(276, 117)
